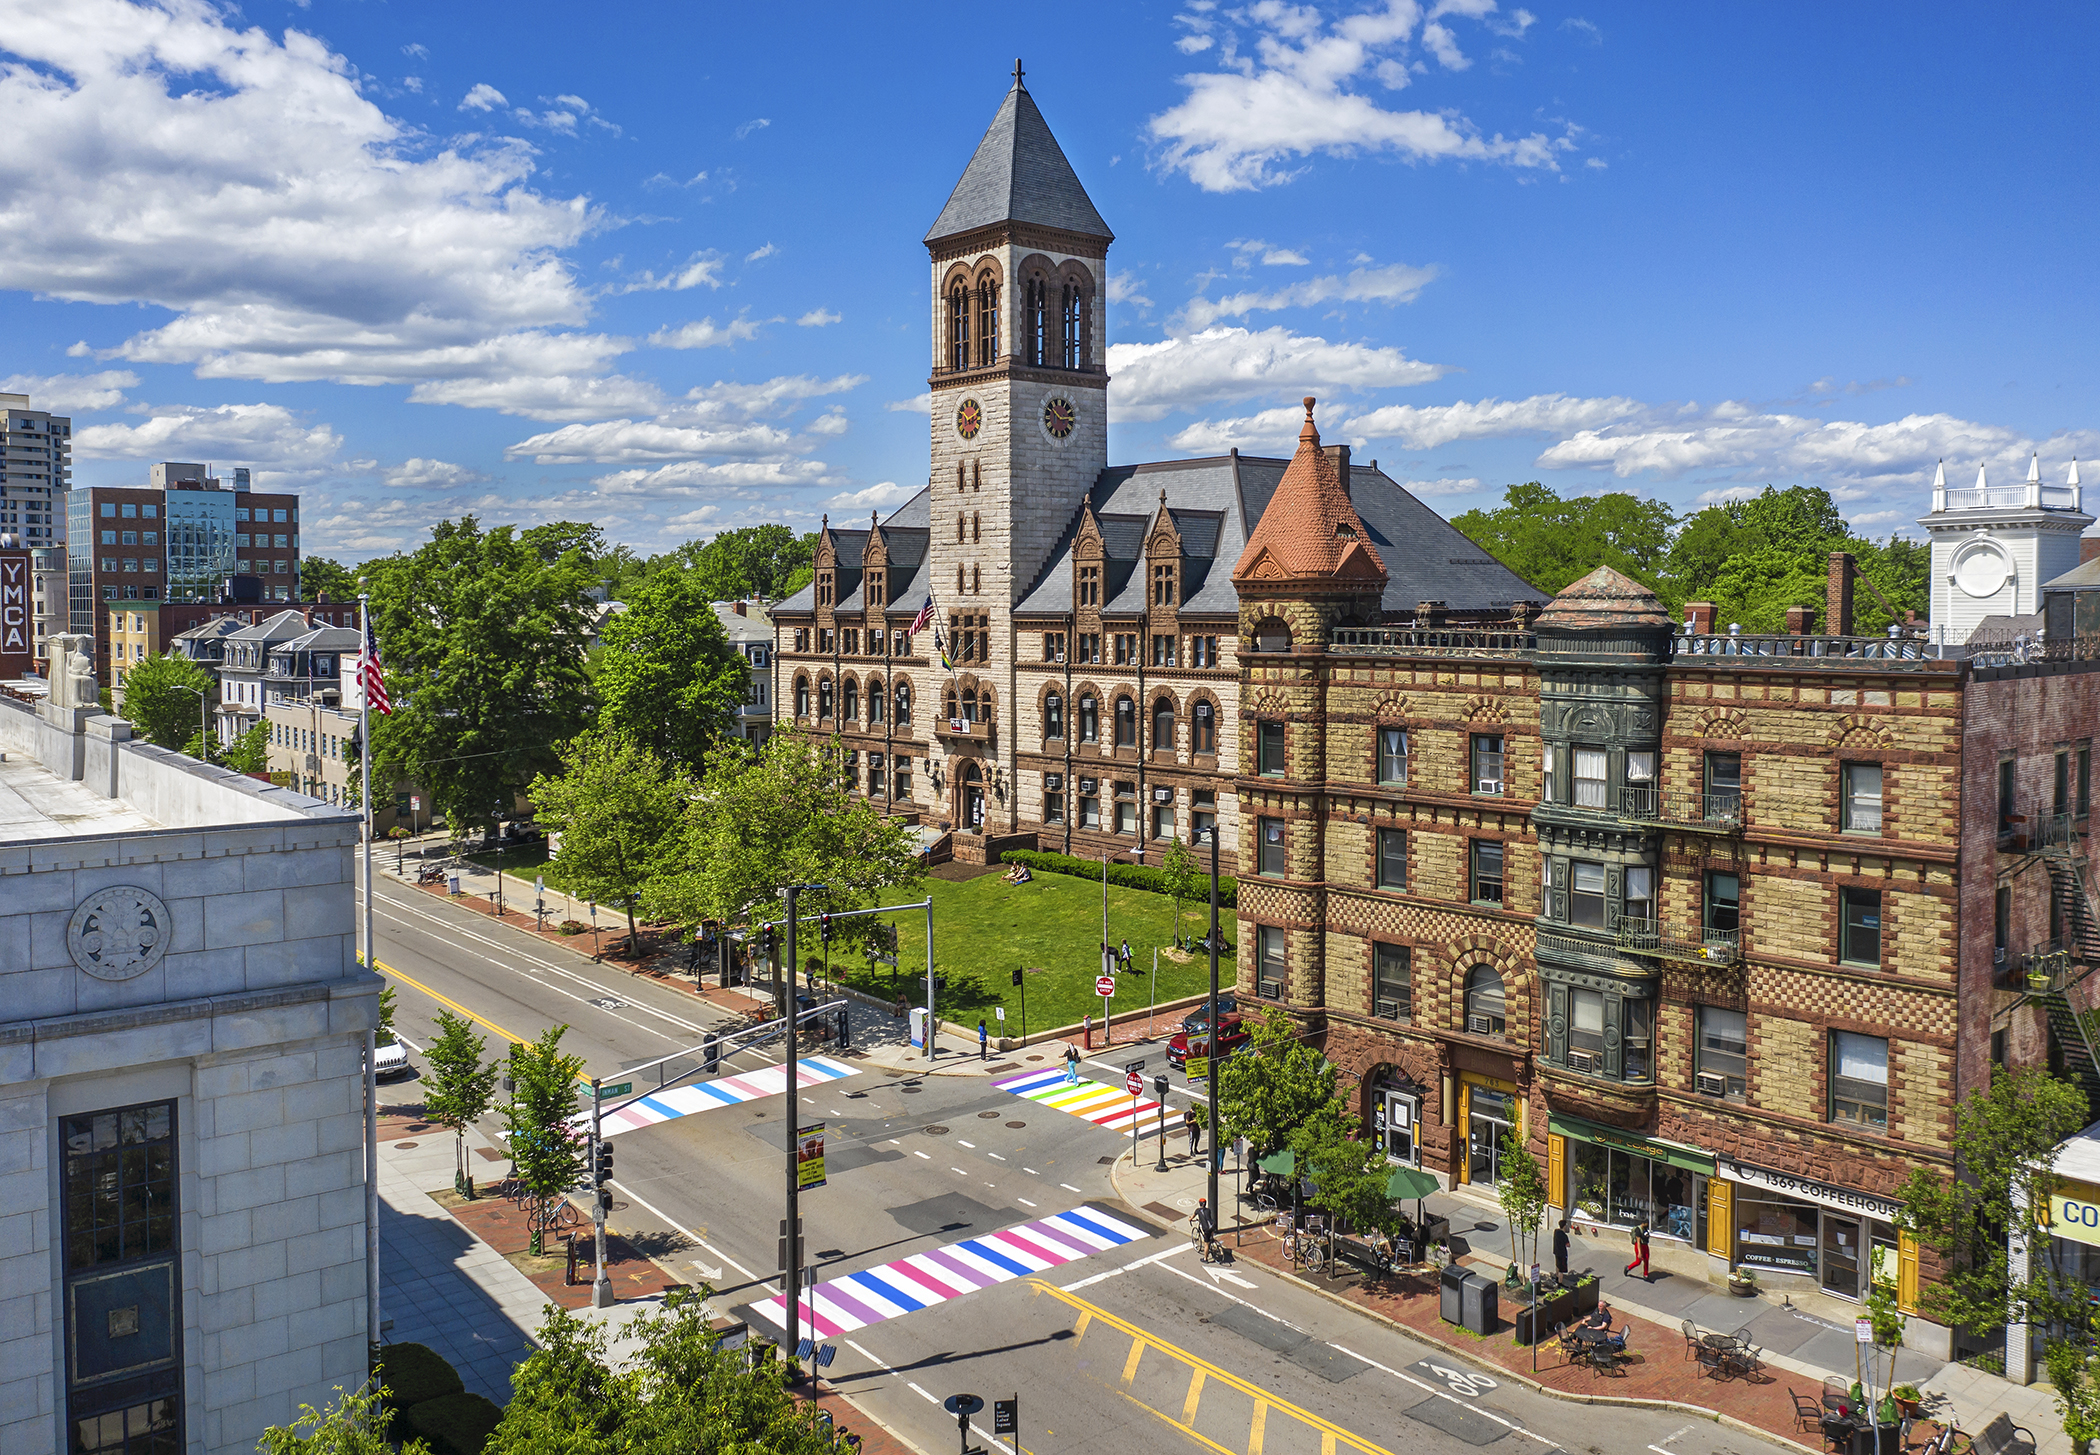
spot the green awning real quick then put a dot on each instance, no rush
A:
(1690, 1159)
(1410, 1182)
(1281, 1164)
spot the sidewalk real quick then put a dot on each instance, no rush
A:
(1799, 1349)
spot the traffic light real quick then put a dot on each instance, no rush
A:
(824, 927)
(604, 1171)
(1017, 977)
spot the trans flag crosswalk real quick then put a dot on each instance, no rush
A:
(841, 1305)
(1105, 1106)
(662, 1106)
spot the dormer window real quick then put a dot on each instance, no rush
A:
(1163, 586)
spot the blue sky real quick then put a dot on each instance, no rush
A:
(659, 266)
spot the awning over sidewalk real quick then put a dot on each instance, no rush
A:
(1677, 1154)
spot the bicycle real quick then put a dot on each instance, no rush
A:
(1208, 1249)
(1306, 1251)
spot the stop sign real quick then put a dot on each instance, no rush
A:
(1136, 1083)
(1105, 986)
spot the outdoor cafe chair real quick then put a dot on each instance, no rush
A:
(1692, 1338)
(1807, 1413)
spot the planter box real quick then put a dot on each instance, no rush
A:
(1536, 1323)
(1584, 1296)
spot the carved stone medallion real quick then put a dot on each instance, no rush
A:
(119, 932)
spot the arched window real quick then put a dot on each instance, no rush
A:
(1272, 635)
(987, 320)
(1053, 716)
(969, 704)
(1163, 724)
(1203, 729)
(849, 700)
(984, 704)
(1126, 723)
(802, 697)
(1485, 1007)
(903, 704)
(875, 701)
(1074, 325)
(958, 328)
(1035, 320)
(824, 698)
(1089, 720)
(953, 711)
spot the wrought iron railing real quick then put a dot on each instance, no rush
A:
(1431, 641)
(2026, 648)
(1720, 813)
(2040, 970)
(1670, 940)
(1737, 644)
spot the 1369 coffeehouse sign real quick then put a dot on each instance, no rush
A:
(17, 635)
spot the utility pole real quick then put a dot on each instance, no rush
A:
(791, 1243)
(1211, 1157)
(601, 1194)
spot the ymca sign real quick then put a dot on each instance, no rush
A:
(17, 629)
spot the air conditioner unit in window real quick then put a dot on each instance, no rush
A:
(1489, 785)
(1060, 656)
(1582, 1061)
(1711, 1083)
(1390, 1009)
(1480, 1025)
(1271, 989)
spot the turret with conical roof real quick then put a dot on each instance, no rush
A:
(1019, 174)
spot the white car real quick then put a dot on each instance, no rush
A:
(391, 1063)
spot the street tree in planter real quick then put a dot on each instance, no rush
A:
(1522, 1193)
(459, 1089)
(1273, 1086)
(617, 808)
(539, 1122)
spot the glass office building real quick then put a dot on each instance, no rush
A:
(199, 543)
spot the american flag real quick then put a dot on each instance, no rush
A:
(925, 615)
(369, 677)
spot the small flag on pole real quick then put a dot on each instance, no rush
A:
(919, 622)
(369, 676)
(940, 645)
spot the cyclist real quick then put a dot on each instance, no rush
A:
(1207, 1231)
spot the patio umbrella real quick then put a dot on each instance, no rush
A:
(1280, 1164)
(1411, 1182)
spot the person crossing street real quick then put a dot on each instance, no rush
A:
(1640, 1253)
(983, 1041)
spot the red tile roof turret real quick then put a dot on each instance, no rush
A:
(1310, 531)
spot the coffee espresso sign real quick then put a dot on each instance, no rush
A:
(17, 631)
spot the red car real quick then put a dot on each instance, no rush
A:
(1234, 1036)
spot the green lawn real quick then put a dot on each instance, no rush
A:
(985, 928)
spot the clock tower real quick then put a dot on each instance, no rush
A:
(1019, 388)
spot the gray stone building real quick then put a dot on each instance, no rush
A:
(182, 1124)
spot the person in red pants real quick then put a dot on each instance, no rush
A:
(1640, 1253)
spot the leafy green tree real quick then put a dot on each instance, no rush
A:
(1522, 1193)
(1273, 1086)
(666, 674)
(161, 699)
(2005, 1141)
(564, 1400)
(760, 560)
(2077, 1393)
(538, 1120)
(1552, 542)
(458, 1088)
(355, 1424)
(319, 576)
(384, 1035)
(617, 808)
(556, 539)
(784, 815)
(1180, 877)
(248, 753)
(483, 641)
(1754, 558)
(1350, 1172)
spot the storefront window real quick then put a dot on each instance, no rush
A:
(1621, 1188)
(1772, 1231)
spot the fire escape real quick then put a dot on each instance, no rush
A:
(2052, 970)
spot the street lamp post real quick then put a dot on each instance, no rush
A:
(1211, 1158)
(496, 822)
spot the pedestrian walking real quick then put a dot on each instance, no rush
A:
(1194, 1129)
(1124, 953)
(1640, 1253)
(1560, 1247)
(982, 1042)
(1071, 1064)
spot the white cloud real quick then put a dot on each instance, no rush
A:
(832, 422)
(704, 334)
(756, 124)
(765, 251)
(1431, 488)
(626, 441)
(483, 97)
(1285, 258)
(1150, 380)
(420, 474)
(545, 396)
(1126, 288)
(246, 184)
(1583, 29)
(691, 478)
(923, 403)
(417, 50)
(702, 269)
(264, 436)
(819, 318)
(1290, 96)
(877, 497)
(412, 84)
(1432, 426)
(72, 393)
(1395, 283)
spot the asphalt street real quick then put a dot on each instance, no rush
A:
(955, 1213)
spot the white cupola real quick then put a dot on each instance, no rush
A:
(1994, 546)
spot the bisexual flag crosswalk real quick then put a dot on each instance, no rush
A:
(1105, 1106)
(841, 1305)
(663, 1106)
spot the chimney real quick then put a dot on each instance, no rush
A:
(738, 608)
(1340, 455)
(1838, 593)
(1427, 613)
(1801, 621)
(1699, 617)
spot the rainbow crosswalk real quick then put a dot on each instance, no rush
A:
(841, 1305)
(1105, 1106)
(742, 1086)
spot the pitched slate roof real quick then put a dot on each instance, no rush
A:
(1311, 530)
(1605, 598)
(1019, 174)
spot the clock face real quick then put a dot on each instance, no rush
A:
(969, 419)
(1058, 418)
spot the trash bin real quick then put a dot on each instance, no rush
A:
(918, 1025)
(1450, 1304)
(1480, 1303)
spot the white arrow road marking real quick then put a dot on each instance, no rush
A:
(1216, 1273)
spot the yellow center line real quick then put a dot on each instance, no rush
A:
(1331, 1433)
(450, 1004)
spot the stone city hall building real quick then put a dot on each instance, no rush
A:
(1721, 925)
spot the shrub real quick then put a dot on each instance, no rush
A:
(413, 1373)
(572, 927)
(454, 1424)
(1127, 876)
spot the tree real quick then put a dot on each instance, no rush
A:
(785, 815)
(1272, 1087)
(767, 561)
(250, 752)
(1755, 558)
(1180, 877)
(556, 539)
(459, 1088)
(1349, 1172)
(319, 576)
(384, 1035)
(1522, 1193)
(539, 1122)
(617, 807)
(2005, 1141)
(564, 1400)
(666, 674)
(162, 699)
(1552, 542)
(483, 642)
(355, 1424)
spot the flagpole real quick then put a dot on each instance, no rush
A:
(364, 742)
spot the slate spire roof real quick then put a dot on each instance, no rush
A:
(1019, 174)
(1605, 599)
(1311, 530)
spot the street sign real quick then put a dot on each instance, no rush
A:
(1136, 1083)
(1863, 1330)
(415, 803)
(1198, 1068)
(1006, 1416)
(618, 1088)
(1000, 1011)
(1105, 986)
